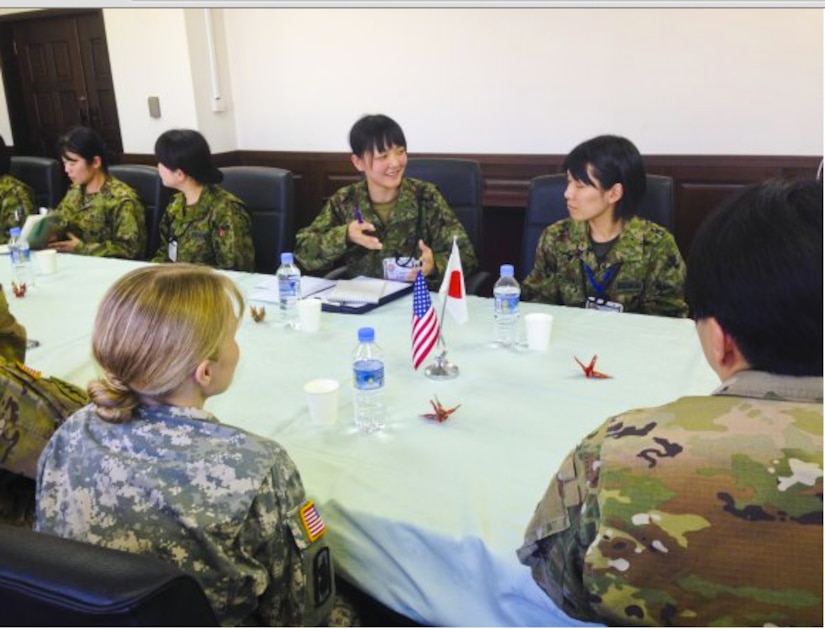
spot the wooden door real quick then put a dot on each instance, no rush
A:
(64, 80)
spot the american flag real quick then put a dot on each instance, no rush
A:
(424, 322)
(313, 523)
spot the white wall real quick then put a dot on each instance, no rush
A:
(676, 81)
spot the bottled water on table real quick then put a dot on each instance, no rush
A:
(21, 259)
(289, 290)
(368, 383)
(506, 293)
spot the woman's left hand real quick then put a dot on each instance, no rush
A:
(427, 262)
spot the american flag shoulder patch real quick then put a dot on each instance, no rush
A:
(312, 521)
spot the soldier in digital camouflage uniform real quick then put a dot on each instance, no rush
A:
(146, 469)
(384, 216)
(203, 223)
(99, 215)
(603, 256)
(708, 511)
(16, 198)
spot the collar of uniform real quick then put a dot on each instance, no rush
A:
(165, 411)
(764, 385)
(186, 213)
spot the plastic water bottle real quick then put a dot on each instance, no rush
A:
(506, 292)
(21, 259)
(368, 382)
(289, 290)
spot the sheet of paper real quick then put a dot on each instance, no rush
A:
(267, 289)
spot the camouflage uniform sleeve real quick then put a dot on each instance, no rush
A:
(232, 235)
(563, 527)
(129, 233)
(541, 282)
(666, 293)
(12, 334)
(300, 591)
(322, 244)
(164, 229)
(442, 225)
(16, 203)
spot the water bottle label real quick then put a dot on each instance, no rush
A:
(368, 374)
(288, 286)
(507, 305)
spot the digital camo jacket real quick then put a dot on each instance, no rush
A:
(649, 273)
(16, 203)
(420, 213)
(110, 222)
(216, 231)
(223, 504)
(705, 512)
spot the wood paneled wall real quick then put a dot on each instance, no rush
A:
(702, 182)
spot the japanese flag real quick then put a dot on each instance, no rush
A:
(452, 290)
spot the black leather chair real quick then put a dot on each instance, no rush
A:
(49, 581)
(269, 197)
(43, 174)
(546, 205)
(461, 185)
(155, 196)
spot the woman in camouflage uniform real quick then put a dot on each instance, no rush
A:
(387, 216)
(603, 256)
(146, 469)
(203, 223)
(99, 215)
(16, 198)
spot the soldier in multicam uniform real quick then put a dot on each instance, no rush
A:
(384, 217)
(16, 198)
(708, 511)
(203, 223)
(99, 215)
(146, 469)
(603, 256)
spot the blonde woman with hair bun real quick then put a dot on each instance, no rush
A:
(145, 469)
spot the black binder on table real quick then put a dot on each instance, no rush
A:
(351, 304)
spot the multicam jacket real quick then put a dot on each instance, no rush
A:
(16, 203)
(110, 223)
(420, 213)
(216, 231)
(704, 512)
(649, 276)
(223, 504)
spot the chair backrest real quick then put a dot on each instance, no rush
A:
(460, 183)
(546, 205)
(43, 174)
(269, 197)
(50, 581)
(155, 196)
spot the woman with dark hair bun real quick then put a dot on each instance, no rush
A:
(203, 223)
(16, 198)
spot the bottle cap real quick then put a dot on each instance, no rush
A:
(14, 232)
(507, 270)
(366, 335)
(286, 258)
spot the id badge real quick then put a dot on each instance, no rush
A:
(394, 271)
(172, 250)
(597, 303)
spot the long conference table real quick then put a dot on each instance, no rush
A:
(424, 516)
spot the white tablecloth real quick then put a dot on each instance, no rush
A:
(426, 517)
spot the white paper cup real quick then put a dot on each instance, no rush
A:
(309, 314)
(46, 260)
(322, 399)
(538, 326)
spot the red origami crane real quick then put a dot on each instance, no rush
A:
(19, 290)
(590, 370)
(441, 413)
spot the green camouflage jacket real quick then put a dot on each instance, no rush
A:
(323, 245)
(16, 203)
(12, 334)
(704, 512)
(216, 231)
(224, 505)
(110, 223)
(650, 279)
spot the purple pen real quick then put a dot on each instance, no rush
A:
(358, 216)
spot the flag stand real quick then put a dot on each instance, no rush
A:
(441, 369)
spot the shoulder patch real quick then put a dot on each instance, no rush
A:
(312, 521)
